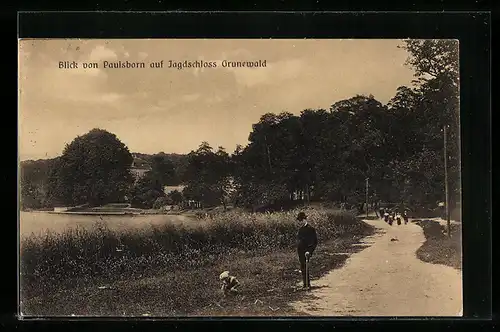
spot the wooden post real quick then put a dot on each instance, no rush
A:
(447, 196)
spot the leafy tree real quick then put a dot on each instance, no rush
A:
(166, 161)
(222, 179)
(161, 202)
(362, 131)
(434, 59)
(207, 175)
(93, 169)
(30, 196)
(175, 197)
(146, 191)
(313, 145)
(163, 169)
(265, 170)
(33, 177)
(437, 72)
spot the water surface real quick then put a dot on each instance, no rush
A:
(41, 222)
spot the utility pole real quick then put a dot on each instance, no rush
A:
(367, 198)
(447, 196)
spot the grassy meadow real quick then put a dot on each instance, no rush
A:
(172, 269)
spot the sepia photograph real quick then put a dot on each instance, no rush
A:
(239, 178)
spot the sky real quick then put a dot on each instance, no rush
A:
(169, 110)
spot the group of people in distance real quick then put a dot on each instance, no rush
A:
(390, 216)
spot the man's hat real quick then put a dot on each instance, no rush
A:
(224, 275)
(301, 216)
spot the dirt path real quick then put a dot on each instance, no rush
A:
(387, 279)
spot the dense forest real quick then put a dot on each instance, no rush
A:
(317, 155)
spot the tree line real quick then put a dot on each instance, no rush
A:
(318, 155)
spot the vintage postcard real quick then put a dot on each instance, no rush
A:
(198, 177)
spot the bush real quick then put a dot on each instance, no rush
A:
(146, 191)
(100, 252)
(161, 202)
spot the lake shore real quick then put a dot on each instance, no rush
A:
(99, 271)
(43, 222)
(105, 212)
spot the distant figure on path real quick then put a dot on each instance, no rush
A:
(405, 216)
(398, 219)
(386, 216)
(307, 241)
(391, 218)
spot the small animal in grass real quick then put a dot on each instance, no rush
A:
(229, 284)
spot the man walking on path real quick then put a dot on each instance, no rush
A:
(383, 278)
(306, 243)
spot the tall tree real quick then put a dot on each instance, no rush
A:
(163, 169)
(267, 168)
(175, 196)
(222, 179)
(207, 175)
(146, 191)
(33, 183)
(436, 68)
(359, 150)
(94, 168)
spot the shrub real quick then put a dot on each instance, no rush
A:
(161, 202)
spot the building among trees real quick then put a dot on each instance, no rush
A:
(139, 168)
(169, 189)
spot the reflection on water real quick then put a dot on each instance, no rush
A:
(40, 222)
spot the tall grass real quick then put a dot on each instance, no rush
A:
(100, 253)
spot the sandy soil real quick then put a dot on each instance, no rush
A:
(387, 279)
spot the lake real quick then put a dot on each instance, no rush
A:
(41, 222)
